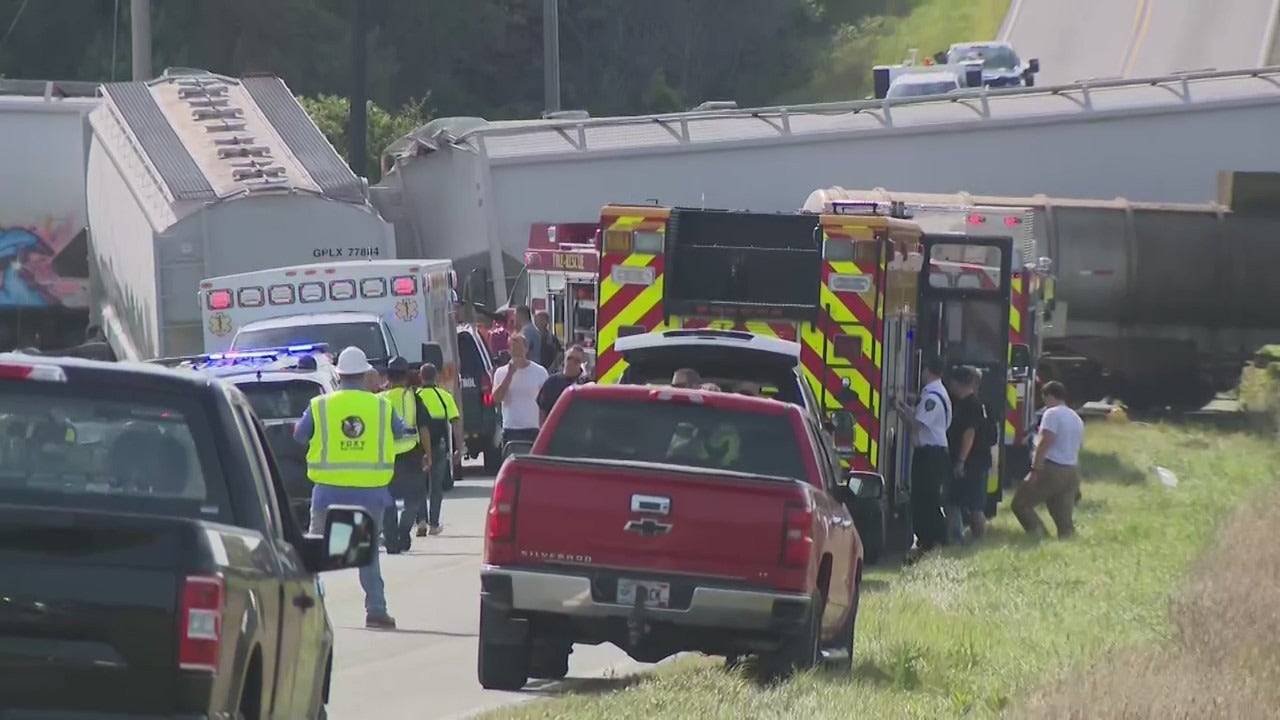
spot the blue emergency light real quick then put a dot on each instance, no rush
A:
(289, 355)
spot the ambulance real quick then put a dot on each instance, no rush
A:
(384, 307)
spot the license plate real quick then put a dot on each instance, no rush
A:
(656, 594)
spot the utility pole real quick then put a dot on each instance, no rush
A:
(551, 54)
(140, 35)
(358, 111)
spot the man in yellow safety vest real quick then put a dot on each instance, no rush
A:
(351, 447)
(413, 457)
(443, 413)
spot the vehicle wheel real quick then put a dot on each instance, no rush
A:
(550, 661)
(501, 667)
(844, 641)
(800, 651)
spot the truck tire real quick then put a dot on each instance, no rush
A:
(844, 640)
(501, 666)
(550, 660)
(800, 651)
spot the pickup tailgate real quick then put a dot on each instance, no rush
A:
(87, 609)
(650, 517)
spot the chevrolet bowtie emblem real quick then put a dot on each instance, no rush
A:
(647, 527)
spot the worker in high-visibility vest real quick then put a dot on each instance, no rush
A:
(351, 449)
(413, 457)
(445, 421)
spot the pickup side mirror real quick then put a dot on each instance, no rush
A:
(350, 539)
(1033, 66)
(516, 447)
(433, 353)
(865, 485)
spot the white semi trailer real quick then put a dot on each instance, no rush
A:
(195, 175)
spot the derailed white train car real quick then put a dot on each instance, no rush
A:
(196, 175)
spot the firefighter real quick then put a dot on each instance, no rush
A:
(930, 461)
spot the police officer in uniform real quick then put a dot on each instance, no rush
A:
(413, 457)
(930, 460)
(444, 417)
(351, 447)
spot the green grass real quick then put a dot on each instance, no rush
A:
(972, 630)
(927, 25)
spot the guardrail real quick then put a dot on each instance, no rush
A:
(779, 116)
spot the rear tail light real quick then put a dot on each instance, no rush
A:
(200, 631)
(797, 538)
(486, 390)
(31, 371)
(500, 524)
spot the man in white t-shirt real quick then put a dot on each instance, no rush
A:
(1055, 476)
(516, 389)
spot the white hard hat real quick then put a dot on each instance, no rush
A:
(353, 361)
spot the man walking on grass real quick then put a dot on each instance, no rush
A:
(1054, 479)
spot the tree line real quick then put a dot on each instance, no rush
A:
(465, 57)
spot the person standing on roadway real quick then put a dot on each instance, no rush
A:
(574, 373)
(930, 462)
(516, 388)
(350, 437)
(550, 349)
(413, 458)
(443, 416)
(1055, 475)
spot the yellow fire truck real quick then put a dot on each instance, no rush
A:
(845, 284)
(1031, 300)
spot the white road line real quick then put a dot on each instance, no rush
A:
(1269, 37)
(1011, 19)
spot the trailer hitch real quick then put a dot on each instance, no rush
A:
(637, 626)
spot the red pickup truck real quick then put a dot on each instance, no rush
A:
(667, 521)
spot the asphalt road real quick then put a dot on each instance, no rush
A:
(1136, 38)
(426, 668)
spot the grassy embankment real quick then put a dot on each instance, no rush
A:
(994, 628)
(926, 25)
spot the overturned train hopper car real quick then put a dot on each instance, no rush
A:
(1159, 305)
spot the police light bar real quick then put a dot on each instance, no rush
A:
(257, 356)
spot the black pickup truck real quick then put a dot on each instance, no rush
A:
(149, 567)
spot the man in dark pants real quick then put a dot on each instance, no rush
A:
(970, 450)
(412, 459)
(930, 462)
(443, 413)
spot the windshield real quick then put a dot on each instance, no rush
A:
(280, 400)
(94, 448)
(918, 89)
(365, 335)
(678, 433)
(993, 58)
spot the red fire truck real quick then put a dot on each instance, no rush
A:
(561, 269)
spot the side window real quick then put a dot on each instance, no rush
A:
(258, 459)
(392, 350)
(828, 449)
(824, 465)
(471, 360)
